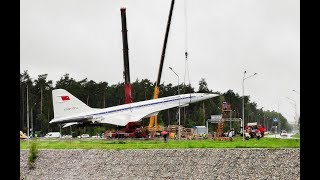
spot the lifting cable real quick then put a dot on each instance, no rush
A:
(186, 70)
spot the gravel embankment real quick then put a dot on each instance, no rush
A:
(163, 164)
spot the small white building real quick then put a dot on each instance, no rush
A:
(53, 135)
(200, 129)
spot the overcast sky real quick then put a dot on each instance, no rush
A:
(224, 38)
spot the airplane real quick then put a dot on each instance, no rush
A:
(69, 110)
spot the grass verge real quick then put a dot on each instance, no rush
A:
(159, 144)
(296, 135)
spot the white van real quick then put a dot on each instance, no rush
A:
(283, 133)
(53, 135)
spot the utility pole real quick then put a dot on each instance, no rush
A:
(22, 91)
(278, 120)
(230, 118)
(204, 114)
(295, 110)
(31, 121)
(145, 94)
(88, 100)
(60, 130)
(184, 116)
(244, 78)
(168, 116)
(242, 122)
(179, 133)
(41, 101)
(264, 120)
(104, 100)
(48, 120)
(27, 115)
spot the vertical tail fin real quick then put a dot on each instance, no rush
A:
(65, 104)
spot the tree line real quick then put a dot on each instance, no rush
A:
(102, 94)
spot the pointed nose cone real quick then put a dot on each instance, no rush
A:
(208, 96)
(202, 96)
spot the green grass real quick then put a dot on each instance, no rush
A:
(296, 135)
(159, 144)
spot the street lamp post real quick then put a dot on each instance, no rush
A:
(230, 117)
(295, 111)
(264, 121)
(32, 130)
(179, 101)
(242, 122)
(278, 119)
(278, 126)
(296, 91)
(297, 118)
(27, 114)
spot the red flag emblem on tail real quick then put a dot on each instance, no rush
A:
(65, 98)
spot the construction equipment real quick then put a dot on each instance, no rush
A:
(187, 133)
(23, 136)
(225, 112)
(218, 135)
(131, 130)
(173, 130)
(126, 72)
(153, 124)
(254, 130)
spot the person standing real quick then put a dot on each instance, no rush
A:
(258, 134)
(230, 133)
(225, 105)
(165, 135)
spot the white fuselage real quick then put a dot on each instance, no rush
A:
(122, 114)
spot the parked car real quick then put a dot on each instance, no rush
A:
(283, 133)
(84, 136)
(96, 136)
(53, 135)
(66, 136)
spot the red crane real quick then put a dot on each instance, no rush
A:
(126, 72)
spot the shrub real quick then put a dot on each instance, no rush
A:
(33, 154)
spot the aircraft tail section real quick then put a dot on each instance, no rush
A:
(65, 104)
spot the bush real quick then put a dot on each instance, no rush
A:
(33, 154)
(37, 133)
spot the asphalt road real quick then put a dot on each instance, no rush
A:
(289, 136)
